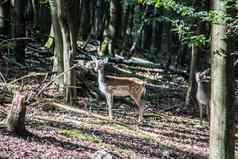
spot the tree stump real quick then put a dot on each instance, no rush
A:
(15, 121)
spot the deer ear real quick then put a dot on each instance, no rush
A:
(105, 60)
(93, 58)
(197, 75)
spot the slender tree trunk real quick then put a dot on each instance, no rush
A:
(137, 30)
(124, 26)
(181, 57)
(29, 19)
(147, 32)
(5, 18)
(99, 19)
(222, 106)
(35, 7)
(85, 19)
(164, 48)
(92, 17)
(50, 42)
(58, 63)
(19, 29)
(4, 23)
(166, 41)
(193, 69)
(115, 25)
(154, 34)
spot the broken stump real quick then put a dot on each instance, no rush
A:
(15, 121)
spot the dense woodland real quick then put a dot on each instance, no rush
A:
(106, 79)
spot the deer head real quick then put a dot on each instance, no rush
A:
(100, 63)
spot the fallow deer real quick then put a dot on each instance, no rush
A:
(112, 86)
(202, 94)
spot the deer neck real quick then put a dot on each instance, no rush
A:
(199, 84)
(201, 87)
(101, 82)
(101, 77)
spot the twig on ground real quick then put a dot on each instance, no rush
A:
(56, 77)
(27, 76)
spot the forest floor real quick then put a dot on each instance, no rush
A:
(169, 131)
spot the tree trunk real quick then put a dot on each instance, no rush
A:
(166, 41)
(137, 19)
(35, 8)
(99, 19)
(114, 25)
(15, 120)
(58, 63)
(5, 18)
(222, 106)
(29, 19)
(68, 13)
(193, 69)
(85, 19)
(124, 26)
(19, 29)
(147, 32)
(154, 34)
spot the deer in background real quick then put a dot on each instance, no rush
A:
(112, 86)
(202, 94)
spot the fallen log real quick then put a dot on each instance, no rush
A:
(136, 62)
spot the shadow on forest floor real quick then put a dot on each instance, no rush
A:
(170, 130)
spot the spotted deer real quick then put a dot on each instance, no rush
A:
(202, 94)
(112, 86)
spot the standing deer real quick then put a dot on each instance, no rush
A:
(202, 94)
(119, 86)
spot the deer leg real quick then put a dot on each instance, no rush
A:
(140, 108)
(208, 113)
(201, 111)
(109, 98)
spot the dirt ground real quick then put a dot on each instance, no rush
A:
(169, 131)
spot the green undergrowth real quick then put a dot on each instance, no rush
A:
(113, 128)
(80, 135)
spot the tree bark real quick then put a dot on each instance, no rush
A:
(193, 69)
(99, 19)
(166, 40)
(15, 120)
(58, 63)
(35, 7)
(124, 25)
(5, 18)
(68, 13)
(114, 25)
(155, 32)
(19, 29)
(147, 31)
(85, 19)
(222, 106)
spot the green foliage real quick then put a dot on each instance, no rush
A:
(44, 2)
(186, 19)
(127, 3)
(143, 2)
(197, 40)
